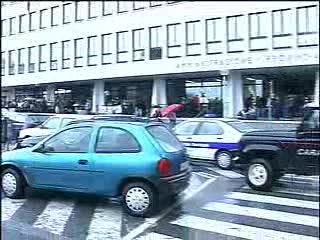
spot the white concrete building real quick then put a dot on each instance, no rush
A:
(155, 52)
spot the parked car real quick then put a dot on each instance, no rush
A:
(213, 139)
(141, 162)
(267, 155)
(51, 125)
(17, 121)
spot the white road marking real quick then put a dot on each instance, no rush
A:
(55, 216)
(289, 191)
(156, 236)
(105, 223)
(9, 207)
(273, 200)
(227, 173)
(263, 213)
(188, 193)
(206, 175)
(236, 230)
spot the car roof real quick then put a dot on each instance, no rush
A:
(212, 120)
(75, 116)
(102, 123)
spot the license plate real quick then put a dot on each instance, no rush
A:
(184, 166)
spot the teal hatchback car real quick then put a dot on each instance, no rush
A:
(140, 162)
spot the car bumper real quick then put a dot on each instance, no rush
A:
(175, 184)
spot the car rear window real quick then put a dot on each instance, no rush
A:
(38, 119)
(241, 126)
(166, 139)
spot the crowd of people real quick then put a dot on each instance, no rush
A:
(287, 108)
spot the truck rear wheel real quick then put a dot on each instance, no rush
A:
(259, 175)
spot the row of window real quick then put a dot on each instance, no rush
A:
(69, 12)
(131, 45)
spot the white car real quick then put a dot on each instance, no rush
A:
(51, 125)
(212, 139)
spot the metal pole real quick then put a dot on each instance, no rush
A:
(270, 98)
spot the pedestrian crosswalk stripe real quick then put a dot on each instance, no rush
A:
(206, 175)
(9, 207)
(303, 192)
(262, 213)
(227, 173)
(55, 216)
(105, 223)
(236, 230)
(156, 236)
(273, 200)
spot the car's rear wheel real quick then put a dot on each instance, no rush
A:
(224, 160)
(259, 175)
(139, 199)
(12, 183)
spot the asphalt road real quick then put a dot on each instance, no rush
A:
(217, 205)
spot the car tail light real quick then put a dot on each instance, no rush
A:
(164, 168)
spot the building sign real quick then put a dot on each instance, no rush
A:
(252, 60)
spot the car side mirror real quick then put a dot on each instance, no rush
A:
(43, 149)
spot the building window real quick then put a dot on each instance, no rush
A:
(106, 49)
(4, 28)
(42, 58)
(33, 21)
(54, 56)
(67, 13)
(307, 23)
(193, 38)
(155, 3)
(44, 18)
(12, 26)
(236, 33)
(79, 49)
(122, 46)
(94, 9)
(282, 28)
(23, 23)
(123, 6)
(258, 31)
(257, 25)
(55, 16)
(66, 54)
(3, 63)
(154, 41)
(92, 53)
(107, 7)
(137, 5)
(80, 10)
(281, 22)
(32, 58)
(214, 36)
(307, 26)
(22, 57)
(12, 62)
(174, 40)
(138, 45)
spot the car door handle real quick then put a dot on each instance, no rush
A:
(219, 138)
(83, 162)
(189, 138)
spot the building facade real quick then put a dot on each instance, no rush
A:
(158, 52)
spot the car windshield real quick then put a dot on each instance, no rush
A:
(241, 126)
(51, 123)
(38, 119)
(165, 138)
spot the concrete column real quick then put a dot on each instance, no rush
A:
(232, 94)
(97, 96)
(50, 93)
(317, 88)
(159, 93)
(11, 94)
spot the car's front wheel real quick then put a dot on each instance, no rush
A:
(224, 160)
(139, 199)
(259, 175)
(12, 183)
